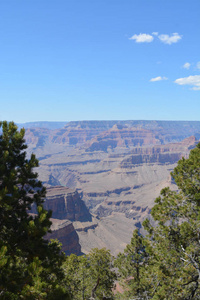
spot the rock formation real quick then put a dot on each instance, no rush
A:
(122, 136)
(66, 206)
(66, 203)
(64, 231)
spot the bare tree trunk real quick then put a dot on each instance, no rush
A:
(94, 289)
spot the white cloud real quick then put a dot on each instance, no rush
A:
(194, 81)
(166, 39)
(142, 38)
(186, 65)
(159, 78)
(198, 65)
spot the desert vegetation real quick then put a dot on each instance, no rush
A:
(163, 264)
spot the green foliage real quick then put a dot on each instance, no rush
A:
(77, 276)
(30, 266)
(91, 275)
(102, 275)
(133, 266)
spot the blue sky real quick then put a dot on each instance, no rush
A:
(66, 60)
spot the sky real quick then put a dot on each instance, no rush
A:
(68, 60)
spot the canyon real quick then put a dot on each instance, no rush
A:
(102, 177)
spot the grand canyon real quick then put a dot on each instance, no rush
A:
(102, 177)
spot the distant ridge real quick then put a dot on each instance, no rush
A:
(42, 124)
(107, 124)
(191, 127)
(186, 128)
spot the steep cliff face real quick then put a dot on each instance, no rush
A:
(66, 206)
(64, 231)
(66, 203)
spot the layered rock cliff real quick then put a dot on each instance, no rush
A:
(122, 136)
(66, 206)
(162, 154)
(64, 231)
(66, 203)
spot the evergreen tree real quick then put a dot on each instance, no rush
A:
(30, 266)
(133, 266)
(101, 273)
(90, 276)
(77, 277)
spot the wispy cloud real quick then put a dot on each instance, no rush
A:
(155, 33)
(166, 39)
(198, 65)
(142, 38)
(194, 81)
(186, 65)
(159, 78)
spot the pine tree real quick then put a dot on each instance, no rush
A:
(30, 266)
(132, 266)
(101, 273)
(90, 276)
